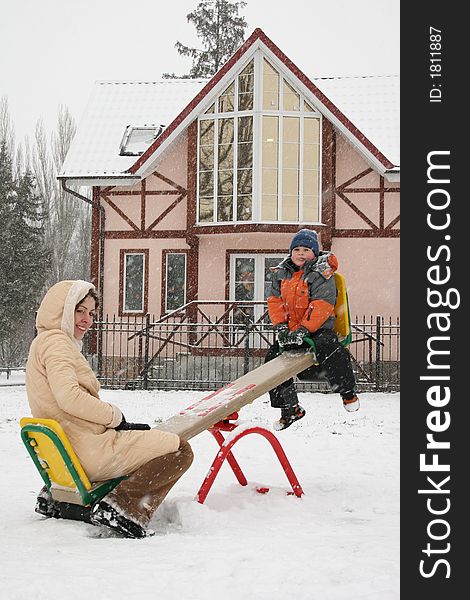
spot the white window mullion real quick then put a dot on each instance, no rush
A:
(301, 168)
(280, 142)
(279, 167)
(257, 136)
(235, 151)
(257, 150)
(216, 167)
(235, 168)
(232, 276)
(258, 274)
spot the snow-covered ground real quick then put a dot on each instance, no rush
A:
(339, 541)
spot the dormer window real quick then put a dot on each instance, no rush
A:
(259, 151)
(137, 139)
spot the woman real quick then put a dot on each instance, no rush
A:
(61, 385)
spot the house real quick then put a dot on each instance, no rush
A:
(199, 185)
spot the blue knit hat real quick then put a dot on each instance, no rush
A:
(306, 238)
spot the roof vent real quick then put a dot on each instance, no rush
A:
(137, 139)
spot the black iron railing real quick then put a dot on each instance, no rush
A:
(205, 345)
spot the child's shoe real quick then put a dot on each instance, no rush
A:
(288, 416)
(351, 404)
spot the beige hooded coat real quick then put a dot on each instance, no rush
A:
(61, 385)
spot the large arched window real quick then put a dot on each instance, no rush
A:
(259, 152)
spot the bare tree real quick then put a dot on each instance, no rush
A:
(7, 129)
(69, 219)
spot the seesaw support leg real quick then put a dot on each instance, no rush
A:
(225, 453)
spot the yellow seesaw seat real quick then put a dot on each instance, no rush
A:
(58, 464)
(343, 318)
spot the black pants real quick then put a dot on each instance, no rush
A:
(335, 366)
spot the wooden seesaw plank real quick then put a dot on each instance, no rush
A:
(218, 405)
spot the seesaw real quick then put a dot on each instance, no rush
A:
(215, 407)
(66, 480)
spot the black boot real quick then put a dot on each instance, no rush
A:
(104, 514)
(288, 416)
(46, 505)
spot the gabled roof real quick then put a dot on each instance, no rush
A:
(365, 109)
(113, 106)
(372, 103)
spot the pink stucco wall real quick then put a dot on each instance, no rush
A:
(173, 165)
(371, 269)
(350, 164)
(213, 251)
(371, 266)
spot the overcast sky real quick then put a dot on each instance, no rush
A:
(51, 51)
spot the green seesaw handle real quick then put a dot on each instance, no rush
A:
(307, 339)
(310, 342)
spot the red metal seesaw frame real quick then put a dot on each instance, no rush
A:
(225, 453)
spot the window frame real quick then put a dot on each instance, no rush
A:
(165, 253)
(257, 115)
(122, 281)
(259, 257)
(128, 132)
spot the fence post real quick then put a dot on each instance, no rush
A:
(99, 345)
(378, 381)
(146, 352)
(246, 354)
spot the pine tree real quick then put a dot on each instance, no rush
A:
(221, 31)
(24, 258)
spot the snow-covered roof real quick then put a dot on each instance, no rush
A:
(365, 109)
(113, 106)
(372, 103)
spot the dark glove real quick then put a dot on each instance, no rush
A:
(125, 426)
(282, 333)
(129, 426)
(297, 337)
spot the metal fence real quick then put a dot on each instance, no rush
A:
(205, 345)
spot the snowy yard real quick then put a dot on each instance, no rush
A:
(339, 541)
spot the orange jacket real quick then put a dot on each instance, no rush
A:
(304, 297)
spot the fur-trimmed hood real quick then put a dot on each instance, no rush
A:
(57, 309)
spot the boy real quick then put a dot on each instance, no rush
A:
(303, 304)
